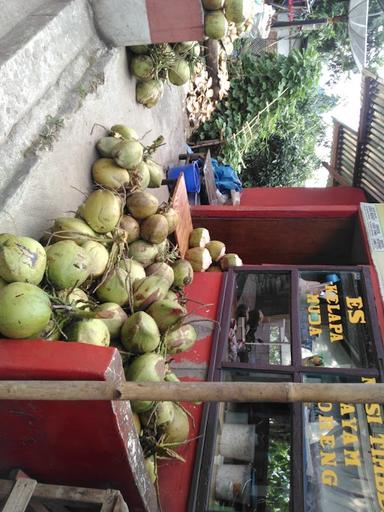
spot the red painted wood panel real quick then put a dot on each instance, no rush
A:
(175, 20)
(175, 477)
(277, 212)
(91, 444)
(300, 196)
(308, 240)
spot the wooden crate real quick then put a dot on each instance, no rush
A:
(27, 495)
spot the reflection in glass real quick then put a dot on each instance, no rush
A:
(252, 463)
(260, 330)
(334, 320)
(343, 454)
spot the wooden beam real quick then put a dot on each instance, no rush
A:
(336, 176)
(20, 495)
(192, 391)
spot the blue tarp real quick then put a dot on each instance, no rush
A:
(225, 177)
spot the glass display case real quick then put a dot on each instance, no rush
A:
(252, 454)
(288, 324)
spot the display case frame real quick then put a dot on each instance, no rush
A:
(295, 371)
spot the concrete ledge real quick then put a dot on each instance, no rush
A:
(122, 22)
(35, 52)
(50, 184)
(81, 76)
(131, 22)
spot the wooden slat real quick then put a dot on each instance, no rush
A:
(209, 179)
(181, 205)
(48, 492)
(120, 505)
(36, 506)
(20, 495)
(114, 503)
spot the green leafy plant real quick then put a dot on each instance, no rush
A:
(332, 40)
(270, 122)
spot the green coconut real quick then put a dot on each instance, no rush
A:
(161, 269)
(108, 174)
(215, 24)
(142, 204)
(199, 237)
(113, 317)
(2, 283)
(183, 273)
(25, 310)
(143, 252)
(166, 313)
(162, 414)
(105, 146)
(154, 229)
(150, 466)
(213, 5)
(171, 295)
(148, 367)
(230, 260)
(162, 250)
(180, 339)
(131, 226)
(240, 28)
(51, 332)
(140, 406)
(115, 288)
(91, 331)
(179, 72)
(199, 258)
(214, 268)
(184, 47)
(140, 49)
(102, 210)
(171, 377)
(98, 257)
(75, 297)
(149, 93)
(216, 249)
(143, 67)
(148, 290)
(140, 334)
(145, 368)
(176, 432)
(125, 131)
(22, 259)
(71, 228)
(128, 154)
(237, 11)
(156, 173)
(140, 176)
(136, 422)
(134, 269)
(67, 265)
(172, 218)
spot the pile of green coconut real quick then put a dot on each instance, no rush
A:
(111, 274)
(157, 64)
(218, 13)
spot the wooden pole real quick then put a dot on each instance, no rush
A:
(192, 391)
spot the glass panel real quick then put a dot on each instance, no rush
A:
(252, 464)
(260, 330)
(343, 454)
(334, 320)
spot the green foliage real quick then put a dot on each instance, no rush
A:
(332, 40)
(270, 121)
(279, 474)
